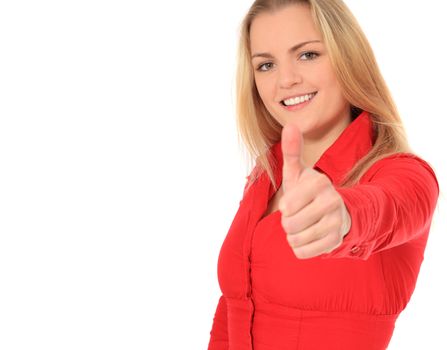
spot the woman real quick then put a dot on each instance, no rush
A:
(325, 249)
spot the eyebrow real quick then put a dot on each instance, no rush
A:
(291, 50)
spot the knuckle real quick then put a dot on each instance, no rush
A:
(286, 224)
(323, 180)
(335, 199)
(314, 233)
(332, 203)
(332, 199)
(329, 203)
(335, 239)
(319, 181)
(307, 172)
(338, 219)
(300, 253)
(333, 220)
(292, 240)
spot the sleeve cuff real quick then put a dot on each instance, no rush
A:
(353, 245)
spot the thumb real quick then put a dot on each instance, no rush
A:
(292, 146)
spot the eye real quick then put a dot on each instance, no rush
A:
(310, 53)
(262, 65)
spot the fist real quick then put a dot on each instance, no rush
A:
(313, 213)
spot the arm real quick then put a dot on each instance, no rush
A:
(219, 331)
(395, 206)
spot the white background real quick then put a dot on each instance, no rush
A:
(120, 169)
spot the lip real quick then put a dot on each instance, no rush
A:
(298, 106)
(298, 95)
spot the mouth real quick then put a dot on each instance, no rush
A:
(298, 102)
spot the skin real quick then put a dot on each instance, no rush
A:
(314, 215)
(298, 73)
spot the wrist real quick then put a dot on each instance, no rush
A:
(346, 221)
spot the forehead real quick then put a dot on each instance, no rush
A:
(282, 27)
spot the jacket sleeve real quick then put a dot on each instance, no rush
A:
(219, 331)
(394, 206)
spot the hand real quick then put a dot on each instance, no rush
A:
(314, 215)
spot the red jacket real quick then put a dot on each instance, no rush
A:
(347, 299)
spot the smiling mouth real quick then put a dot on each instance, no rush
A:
(298, 100)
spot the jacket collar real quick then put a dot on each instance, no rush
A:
(351, 145)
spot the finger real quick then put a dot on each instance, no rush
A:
(292, 146)
(314, 232)
(298, 197)
(319, 246)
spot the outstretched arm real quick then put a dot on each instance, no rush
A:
(395, 206)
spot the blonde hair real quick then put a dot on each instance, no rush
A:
(356, 69)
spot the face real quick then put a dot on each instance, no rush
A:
(304, 72)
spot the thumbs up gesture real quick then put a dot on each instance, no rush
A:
(314, 215)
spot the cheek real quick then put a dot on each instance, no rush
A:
(323, 76)
(330, 88)
(266, 94)
(259, 88)
(331, 82)
(263, 87)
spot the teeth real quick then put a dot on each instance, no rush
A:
(297, 100)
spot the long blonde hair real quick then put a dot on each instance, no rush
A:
(356, 69)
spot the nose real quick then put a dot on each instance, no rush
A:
(288, 75)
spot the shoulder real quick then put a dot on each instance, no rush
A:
(402, 165)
